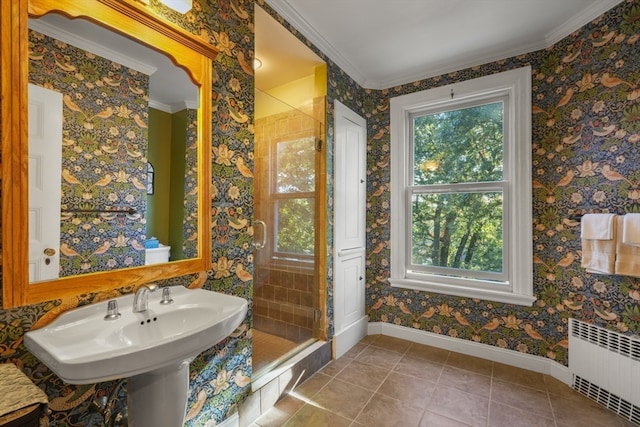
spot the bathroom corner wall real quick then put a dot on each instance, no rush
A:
(220, 377)
(585, 135)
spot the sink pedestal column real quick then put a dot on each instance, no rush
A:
(159, 398)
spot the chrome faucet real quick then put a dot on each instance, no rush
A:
(141, 298)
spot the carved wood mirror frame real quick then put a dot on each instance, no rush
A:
(137, 22)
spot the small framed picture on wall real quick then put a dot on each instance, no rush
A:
(150, 173)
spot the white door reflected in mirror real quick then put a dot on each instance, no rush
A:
(131, 107)
(45, 155)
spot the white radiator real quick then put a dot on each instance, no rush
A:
(605, 366)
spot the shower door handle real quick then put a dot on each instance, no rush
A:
(263, 242)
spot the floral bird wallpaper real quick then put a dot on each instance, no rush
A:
(190, 210)
(220, 376)
(104, 145)
(586, 128)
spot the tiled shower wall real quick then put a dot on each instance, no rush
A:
(283, 303)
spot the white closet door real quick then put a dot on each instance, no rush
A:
(349, 228)
(45, 163)
(350, 179)
(350, 304)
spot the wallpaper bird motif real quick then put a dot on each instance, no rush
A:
(586, 127)
(104, 145)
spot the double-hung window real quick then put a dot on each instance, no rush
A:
(461, 189)
(293, 198)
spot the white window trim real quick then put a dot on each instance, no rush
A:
(304, 263)
(518, 289)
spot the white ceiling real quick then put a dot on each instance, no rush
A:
(384, 43)
(284, 58)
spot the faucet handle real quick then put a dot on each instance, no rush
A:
(112, 310)
(166, 296)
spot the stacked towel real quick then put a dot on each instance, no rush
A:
(631, 229)
(599, 235)
(628, 246)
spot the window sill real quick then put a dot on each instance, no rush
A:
(464, 291)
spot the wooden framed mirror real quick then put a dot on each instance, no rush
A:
(135, 22)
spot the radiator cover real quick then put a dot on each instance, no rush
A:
(605, 367)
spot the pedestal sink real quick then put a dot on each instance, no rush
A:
(153, 349)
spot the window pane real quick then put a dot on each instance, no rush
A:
(295, 226)
(464, 145)
(461, 230)
(295, 166)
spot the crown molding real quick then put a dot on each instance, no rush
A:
(291, 15)
(288, 12)
(173, 108)
(580, 20)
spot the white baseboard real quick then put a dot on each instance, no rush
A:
(472, 348)
(350, 336)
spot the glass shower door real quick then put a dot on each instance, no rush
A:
(286, 315)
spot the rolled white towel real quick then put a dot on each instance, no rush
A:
(597, 226)
(631, 229)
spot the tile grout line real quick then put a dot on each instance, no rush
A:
(446, 363)
(385, 378)
(374, 393)
(490, 395)
(316, 393)
(553, 413)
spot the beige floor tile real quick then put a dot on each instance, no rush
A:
(466, 381)
(311, 386)
(376, 384)
(364, 375)
(433, 354)
(268, 348)
(342, 398)
(470, 363)
(626, 423)
(414, 391)
(392, 343)
(519, 376)
(383, 411)
(506, 416)
(582, 412)
(369, 339)
(279, 414)
(420, 368)
(312, 416)
(335, 367)
(524, 398)
(430, 419)
(459, 405)
(355, 350)
(379, 357)
(557, 387)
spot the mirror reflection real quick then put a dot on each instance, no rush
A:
(112, 152)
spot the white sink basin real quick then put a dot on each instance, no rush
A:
(83, 348)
